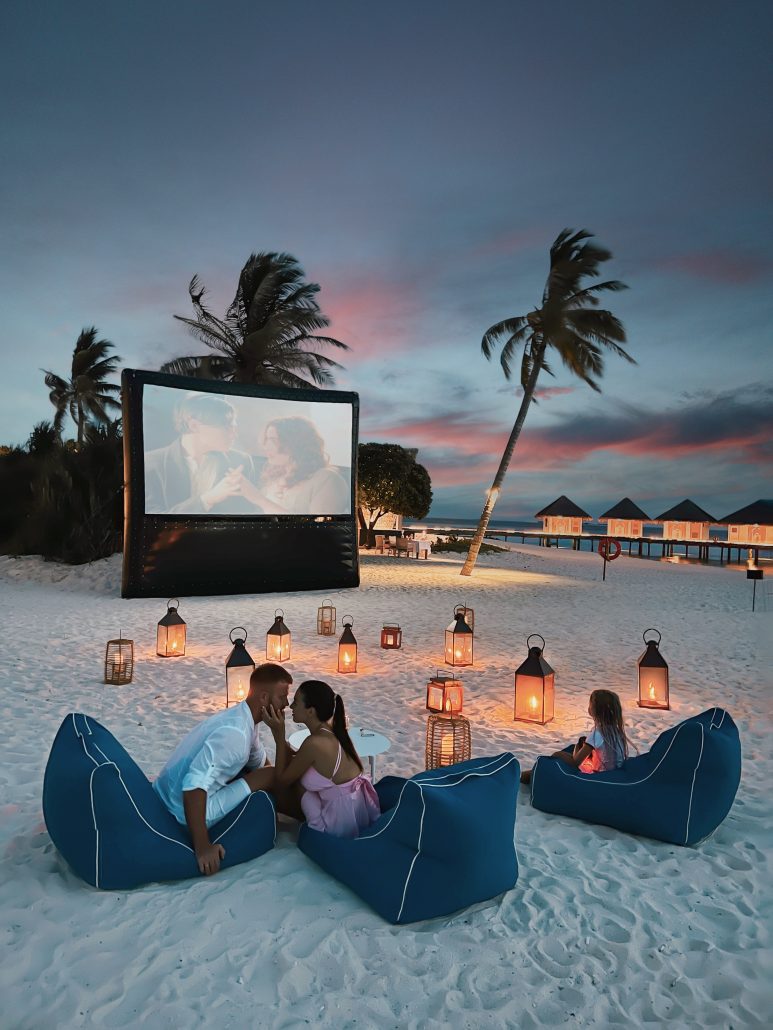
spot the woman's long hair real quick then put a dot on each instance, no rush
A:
(607, 714)
(302, 448)
(327, 705)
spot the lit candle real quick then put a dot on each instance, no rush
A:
(652, 691)
(447, 749)
(533, 703)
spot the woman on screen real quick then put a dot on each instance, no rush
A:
(297, 478)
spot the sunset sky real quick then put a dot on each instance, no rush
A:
(417, 159)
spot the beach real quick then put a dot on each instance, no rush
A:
(601, 929)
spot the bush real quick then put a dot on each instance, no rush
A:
(462, 546)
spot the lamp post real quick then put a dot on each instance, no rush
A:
(534, 686)
(239, 666)
(278, 639)
(459, 640)
(171, 632)
(347, 647)
(653, 675)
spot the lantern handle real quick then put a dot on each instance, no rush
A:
(169, 604)
(531, 636)
(652, 630)
(326, 602)
(230, 635)
(279, 611)
(345, 617)
(458, 606)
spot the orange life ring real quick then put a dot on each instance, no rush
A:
(609, 549)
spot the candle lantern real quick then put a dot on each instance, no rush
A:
(459, 638)
(468, 614)
(347, 647)
(171, 632)
(391, 637)
(534, 686)
(653, 675)
(239, 667)
(448, 740)
(326, 619)
(119, 661)
(278, 639)
(445, 694)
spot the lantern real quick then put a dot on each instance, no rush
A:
(278, 639)
(347, 647)
(119, 661)
(391, 637)
(468, 614)
(170, 634)
(534, 686)
(653, 675)
(459, 637)
(238, 669)
(448, 740)
(326, 619)
(445, 694)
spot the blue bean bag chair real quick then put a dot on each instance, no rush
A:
(444, 840)
(112, 828)
(679, 792)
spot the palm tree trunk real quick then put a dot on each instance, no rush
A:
(493, 494)
(81, 424)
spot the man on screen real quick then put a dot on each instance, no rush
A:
(199, 473)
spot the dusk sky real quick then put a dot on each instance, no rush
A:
(418, 159)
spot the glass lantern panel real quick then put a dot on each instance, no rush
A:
(530, 698)
(238, 683)
(277, 647)
(458, 648)
(347, 658)
(653, 687)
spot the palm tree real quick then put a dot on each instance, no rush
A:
(568, 320)
(85, 395)
(266, 336)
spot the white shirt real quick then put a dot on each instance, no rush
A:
(211, 755)
(605, 756)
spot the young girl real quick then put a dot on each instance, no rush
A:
(606, 746)
(337, 797)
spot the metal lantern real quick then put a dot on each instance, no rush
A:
(468, 614)
(278, 639)
(459, 638)
(171, 632)
(119, 661)
(391, 637)
(534, 686)
(653, 675)
(445, 694)
(238, 668)
(347, 647)
(448, 740)
(326, 619)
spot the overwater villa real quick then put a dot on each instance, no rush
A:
(625, 519)
(750, 525)
(563, 517)
(686, 521)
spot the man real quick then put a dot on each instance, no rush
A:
(221, 762)
(200, 472)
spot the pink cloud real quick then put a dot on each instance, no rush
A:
(720, 266)
(373, 317)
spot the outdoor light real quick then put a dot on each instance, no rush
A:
(448, 740)
(326, 619)
(445, 694)
(278, 639)
(459, 638)
(391, 637)
(238, 669)
(347, 647)
(468, 614)
(119, 661)
(534, 686)
(653, 675)
(170, 634)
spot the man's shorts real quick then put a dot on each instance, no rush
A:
(225, 800)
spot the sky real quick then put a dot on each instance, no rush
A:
(418, 159)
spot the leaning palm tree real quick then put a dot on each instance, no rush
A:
(267, 335)
(570, 322)
(85, 395)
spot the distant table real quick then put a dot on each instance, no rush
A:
(413, 548)
(367, 743)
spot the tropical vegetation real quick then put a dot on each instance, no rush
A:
(389, 481)
(86, 395)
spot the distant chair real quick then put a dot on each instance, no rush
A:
(380, 544)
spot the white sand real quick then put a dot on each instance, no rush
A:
(601, 928)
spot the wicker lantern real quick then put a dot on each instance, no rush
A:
(171, 632)
(347, 647)
(326, 619)
(459, 638)
(448, 740)
(445, 694)
(534, 686)
(119, 661)
(391, 637)
(238, 668)
(653, 675)
(278, 639)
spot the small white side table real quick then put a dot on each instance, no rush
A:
(367, 743)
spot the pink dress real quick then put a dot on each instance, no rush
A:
(342, 809)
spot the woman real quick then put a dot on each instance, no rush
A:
(337, 796)
(297, 478)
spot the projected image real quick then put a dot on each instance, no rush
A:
(218, 454)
